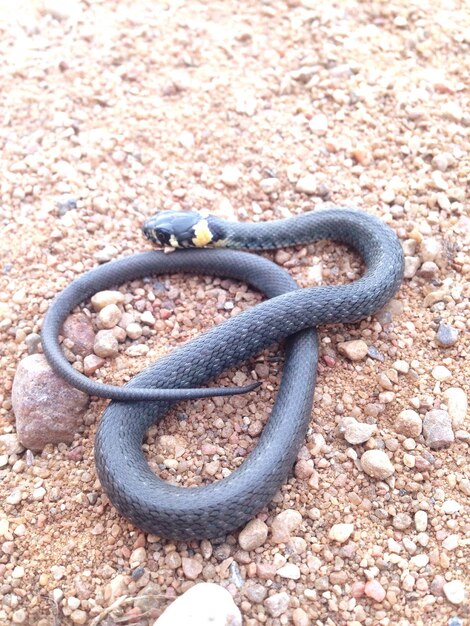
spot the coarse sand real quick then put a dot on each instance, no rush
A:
(255, 110)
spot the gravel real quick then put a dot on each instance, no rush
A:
(114, 110)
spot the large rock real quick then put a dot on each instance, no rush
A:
(205, 604)
(47, 409)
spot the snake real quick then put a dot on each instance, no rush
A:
(204, 244)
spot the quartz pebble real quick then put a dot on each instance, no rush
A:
(355, 350)
(205, 604)
(376, 463)
(408, 423)
(290, 571)
(230, 175)
(437, 429)
(421, 521)
(457, 405)
(277, 604)
(402, 521)
(307, 184)
(441, 373)
(253, 535)
(106, 344)
(341, 532)
(284, 524)
(109, 316)
(356, 432)
(104, 298)
(454, 591)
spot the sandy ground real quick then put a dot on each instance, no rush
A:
(120, 108)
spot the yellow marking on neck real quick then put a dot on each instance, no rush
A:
(202, 233)
(174, 242)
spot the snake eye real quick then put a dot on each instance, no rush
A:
(163, 236)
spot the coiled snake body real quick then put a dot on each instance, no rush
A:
(290, 312)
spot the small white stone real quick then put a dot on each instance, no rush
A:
(319, 124)
(139, 350)
(441, 373)
(148, 318)
(134, 330)
(355, 350)
(376, 463)
(457, 405)
(402, 366)
(421, 521)
(451, 542)
(388, 196)
(290, 571)
(39, 493)
(270, 185)
(109, 316)
(449, 507)
(230, 175)
(203, 604)
(356, 432)
(419, 560)
(18, 572)
(103, 298)
(455, 591)
(307, 184)
(341, 532)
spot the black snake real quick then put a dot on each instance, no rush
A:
(290, 312)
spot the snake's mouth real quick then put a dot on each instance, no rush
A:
(180, 229)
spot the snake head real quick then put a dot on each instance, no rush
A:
(180, 229)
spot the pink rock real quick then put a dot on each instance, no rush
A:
(47, 409)
(79, 329)
(357, 589)
(374, 590)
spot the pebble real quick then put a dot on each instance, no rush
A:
(104, 298)
(109, 316)
(412, 265)
(9, 444)
(91, 363)
(454, 591)
(408, 423)
(341, 532)
(277, 604)
(356, 432)
(79, 617)
(230, 176)
(106, 254)
(457, 405)
(319, 124)
(421, 521)
(376, 463)
(284, 524)
(431, 249)
(437, 429)
(205, 604)
(307, 184)
(32, 342)
(78, 329)
(428, 270)
(449, 507)
(253, 535)
(441, 373)
(289, 570)
(355, 350)
(134, 330)
(374, 590)
(270, 185)
(191, 567)
(106, 344)
(402, 521)
(256, 592)
(300, 618)
(45, 418)
(148, 318)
